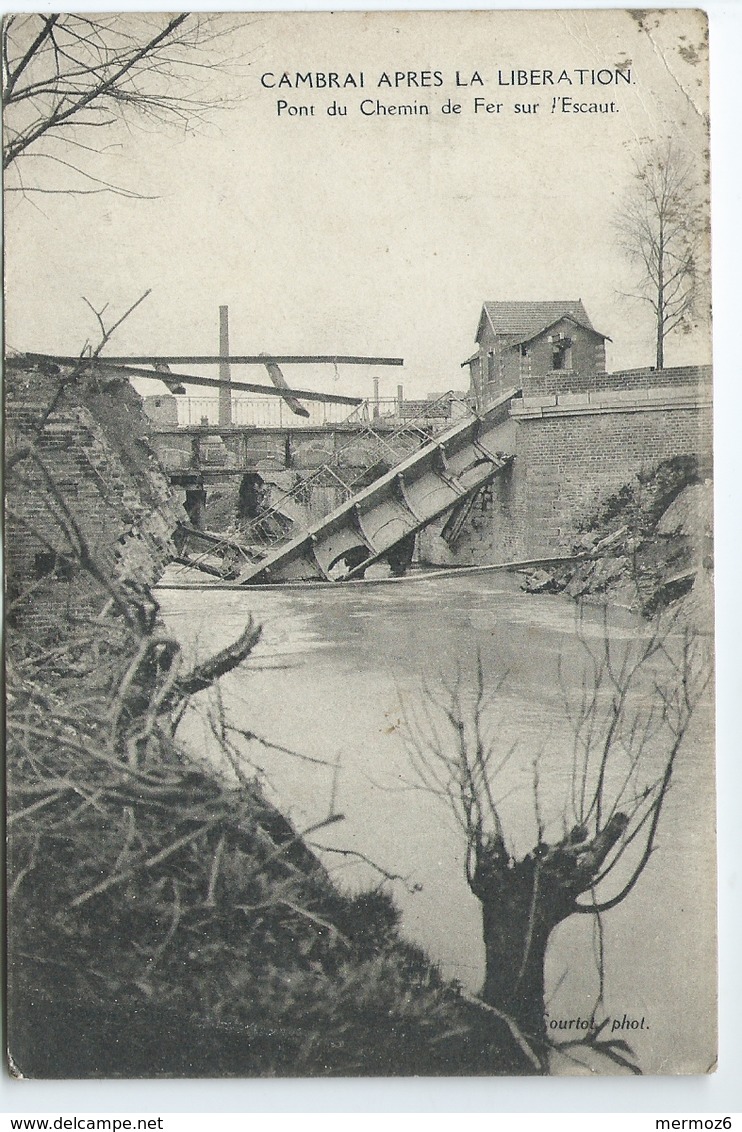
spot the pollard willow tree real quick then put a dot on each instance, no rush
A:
(594, 837)
(70, 79)
(662, 231)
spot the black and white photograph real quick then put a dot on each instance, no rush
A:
(359, 549)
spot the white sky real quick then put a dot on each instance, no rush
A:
(378, 236)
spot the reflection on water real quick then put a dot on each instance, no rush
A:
(335, 677)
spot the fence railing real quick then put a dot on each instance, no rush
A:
(258, 412)
(262, 412)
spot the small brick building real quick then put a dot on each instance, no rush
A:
(539, 347)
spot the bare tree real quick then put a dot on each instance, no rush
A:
(661, 230)
(632, 713)
(68, 76)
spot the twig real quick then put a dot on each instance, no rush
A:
(149, 863)
(368, 861)
(214, 872)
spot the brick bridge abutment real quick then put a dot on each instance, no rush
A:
(572, 450)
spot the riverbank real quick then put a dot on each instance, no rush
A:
(648, 547)
(166, 918)
(154, 895)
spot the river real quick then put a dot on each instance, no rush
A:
(348, 675)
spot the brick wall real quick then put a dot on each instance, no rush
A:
(650, 378)
(568, 464)
(534, 376)
(555, 382)
(90, 469)
(587, 355)
(568, 457)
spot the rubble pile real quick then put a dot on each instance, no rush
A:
(647, 546)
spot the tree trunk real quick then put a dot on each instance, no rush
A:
(516, 924)
(660, 359)
(522, 903)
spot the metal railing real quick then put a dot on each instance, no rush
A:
(258, 412)
(263, 412)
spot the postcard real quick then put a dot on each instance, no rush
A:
(359, 557)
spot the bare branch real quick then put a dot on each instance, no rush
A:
(229, 658)
(660, 229)
(99, 89)
(358, 856)
(515, 1030)
(67, 74)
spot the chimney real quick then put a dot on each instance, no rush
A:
(225, 390)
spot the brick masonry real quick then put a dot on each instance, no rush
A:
(571, 452)
(94, 460)
(91, 470)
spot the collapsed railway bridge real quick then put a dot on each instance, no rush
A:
(348, 483)
(359, 493)
(305, 485)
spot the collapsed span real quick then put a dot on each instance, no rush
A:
(442, 474)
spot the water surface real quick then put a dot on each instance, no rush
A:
(345, 674)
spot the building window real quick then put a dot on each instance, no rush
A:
(491, 371)
(561, 353)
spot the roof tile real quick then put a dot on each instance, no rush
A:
(524, 319)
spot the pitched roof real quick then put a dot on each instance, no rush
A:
(523, 320)
(570, 318)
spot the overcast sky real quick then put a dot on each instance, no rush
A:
(372, 235)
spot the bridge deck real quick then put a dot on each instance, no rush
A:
(444, 472)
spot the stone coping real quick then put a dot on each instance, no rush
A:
(602, 401)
